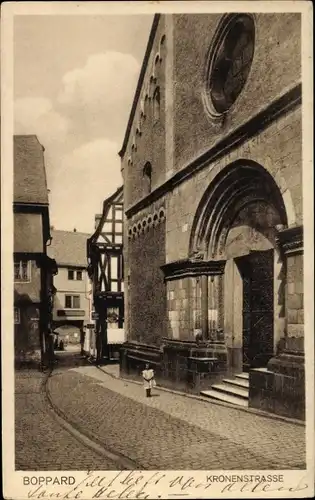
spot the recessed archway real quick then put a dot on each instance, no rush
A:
(237, 221)
(242, 183)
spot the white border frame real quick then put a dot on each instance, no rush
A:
(297, 484)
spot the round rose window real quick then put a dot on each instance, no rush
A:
(231, 60)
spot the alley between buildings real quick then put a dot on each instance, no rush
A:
(83, 418)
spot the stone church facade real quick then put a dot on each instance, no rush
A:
(213, 245)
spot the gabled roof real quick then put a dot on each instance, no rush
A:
(116, 197)
(140, 83)
(30, 185)
(68, 248)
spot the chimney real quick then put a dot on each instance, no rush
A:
(52, 228)
(75, 230)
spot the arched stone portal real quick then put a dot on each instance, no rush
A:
(69, 331)
(237, 222)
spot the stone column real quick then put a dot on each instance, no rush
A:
(288, 364)
(197, 303)
(204, 307)
(291, 244)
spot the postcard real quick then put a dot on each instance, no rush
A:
(157, 276)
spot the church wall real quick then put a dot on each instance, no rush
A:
(278, 149)
(275, 145)
(277, 38)
(147, 139)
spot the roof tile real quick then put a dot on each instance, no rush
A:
(68, 248)
(30, 185)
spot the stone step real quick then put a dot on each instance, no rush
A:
(227, 398)
(238, 382)
(242, 375)
(231, 390)
(262, 370)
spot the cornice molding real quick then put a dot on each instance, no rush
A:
(290, 240)
(280, 106)
(188, 268)
(149, 221)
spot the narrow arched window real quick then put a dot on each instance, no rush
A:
(156, 104)
(147, 174)
(162, 48)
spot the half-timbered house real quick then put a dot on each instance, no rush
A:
(105, 267)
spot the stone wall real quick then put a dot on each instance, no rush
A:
(278, 149)
(186, 308)
(177, 364)
(180, 294)
(276, 67)
(295, 305)
(195, 149)
(147, 136)
(146, 287)
(280, 389)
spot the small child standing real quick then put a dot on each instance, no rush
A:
(148, 380)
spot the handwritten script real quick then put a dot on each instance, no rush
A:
(143, 485)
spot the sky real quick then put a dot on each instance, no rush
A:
(74, 83)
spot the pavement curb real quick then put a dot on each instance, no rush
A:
(252, 411)
(87, 438)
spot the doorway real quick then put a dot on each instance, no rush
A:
(257, 270)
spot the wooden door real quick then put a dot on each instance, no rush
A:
(258, 310)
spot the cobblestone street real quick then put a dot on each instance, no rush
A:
(168, 431)
(40, 442)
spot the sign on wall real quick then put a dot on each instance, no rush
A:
(115, 335)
